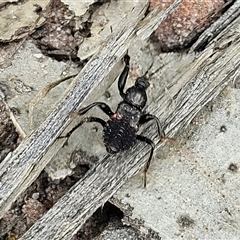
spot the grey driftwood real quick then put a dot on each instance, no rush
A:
(21, 168)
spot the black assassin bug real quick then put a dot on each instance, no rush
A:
(120, 131)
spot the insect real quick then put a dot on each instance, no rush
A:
(120, 131)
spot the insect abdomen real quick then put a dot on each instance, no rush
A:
(118, 136)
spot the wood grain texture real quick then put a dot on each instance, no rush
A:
(217, 27)
(208, 74)
(19, 170)
(22, 167)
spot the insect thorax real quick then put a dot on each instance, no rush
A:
(128, 114)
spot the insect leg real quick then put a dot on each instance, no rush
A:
(145, 169)
(103, 106)
(123, 77)
(88, 119)
(148, 117)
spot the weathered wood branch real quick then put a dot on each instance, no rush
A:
(24, 165)
(210, 72)
(217, 27)
(16, 169)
